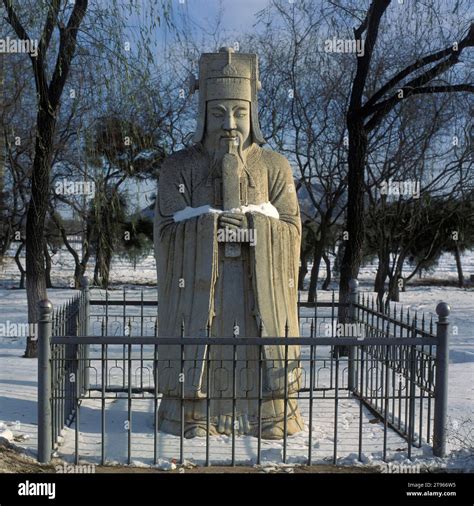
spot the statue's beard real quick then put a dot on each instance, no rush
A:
(219, 147)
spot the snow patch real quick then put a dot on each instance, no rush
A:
(7, 434)
(192, 212)
(267, 208)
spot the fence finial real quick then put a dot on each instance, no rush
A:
(443, 309)
(45, 306)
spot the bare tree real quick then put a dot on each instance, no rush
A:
(303, 118)
(49, 93)
(369, 107)
(61, 23)
(414, 148)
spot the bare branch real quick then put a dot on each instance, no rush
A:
(431, 58)
(381, 109)
(67, 45)
(48, 27)
(15, 21)
(371, 24)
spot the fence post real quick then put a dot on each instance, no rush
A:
(44, 381)
(353, 297)
(85, 327)
(441, 386)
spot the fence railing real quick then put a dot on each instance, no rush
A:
(62, 369)
(395, 368)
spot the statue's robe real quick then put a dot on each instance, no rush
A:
(200, 288)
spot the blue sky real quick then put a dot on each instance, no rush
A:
(237, 14)
(200, 15)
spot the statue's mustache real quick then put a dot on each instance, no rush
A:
(217, 151)
(230, 135)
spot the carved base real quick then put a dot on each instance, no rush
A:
(271, 429)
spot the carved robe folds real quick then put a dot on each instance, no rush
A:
(199, 284)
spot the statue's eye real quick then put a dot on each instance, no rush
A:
(242, 114)
(217, 114)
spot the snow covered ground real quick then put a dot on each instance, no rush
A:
(144, 273)
(18, 384)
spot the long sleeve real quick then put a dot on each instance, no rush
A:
(275, 261)
(282, 191)
(186, 257)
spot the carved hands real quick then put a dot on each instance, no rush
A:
(233, 220)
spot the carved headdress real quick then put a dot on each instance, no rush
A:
(228, 75)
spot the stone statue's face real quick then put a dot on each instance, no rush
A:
(227, 123)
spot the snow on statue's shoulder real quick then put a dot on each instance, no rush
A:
(268, 209)
(192, 212)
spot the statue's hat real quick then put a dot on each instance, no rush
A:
(228, 75)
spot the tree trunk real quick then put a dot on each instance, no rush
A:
(457, 256)
(102, 266)
(357, 154)
(47, 262)
(338, 258)
(96, 270)
(79, 271)
(4, 234)
(313, 283)
(5, 225)
(37, 208)
(397, 279)
(394, 284)
(106, 267)
(303, 269)
(80, 265)
(381, 277)
(352, 257)
(394, 288)
(327, 281)
(20, 267)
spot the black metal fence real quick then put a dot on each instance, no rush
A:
(99, 350)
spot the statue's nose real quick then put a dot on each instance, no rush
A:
(229, 123)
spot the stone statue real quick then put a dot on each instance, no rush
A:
(227, 241)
